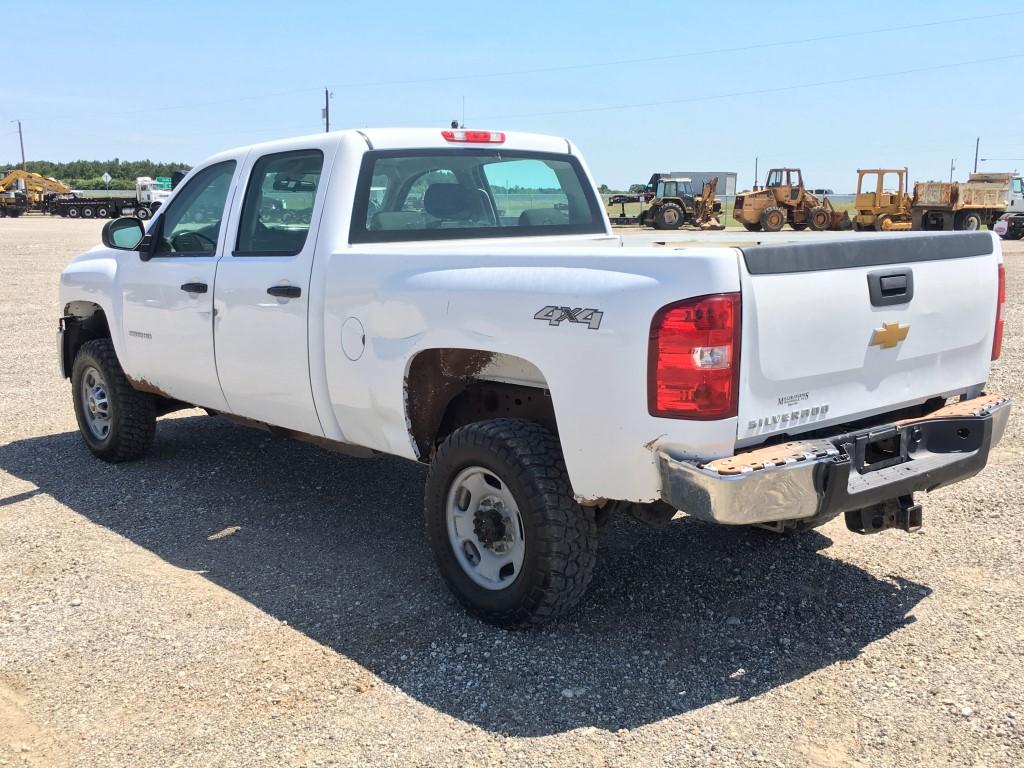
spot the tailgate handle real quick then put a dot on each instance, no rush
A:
(890, 286)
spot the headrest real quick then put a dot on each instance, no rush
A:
(448, 201)
(543, 217)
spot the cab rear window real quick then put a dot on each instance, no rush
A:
(447, 194)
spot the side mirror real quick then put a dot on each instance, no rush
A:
(123, 234)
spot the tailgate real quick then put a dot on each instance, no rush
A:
(842, 330)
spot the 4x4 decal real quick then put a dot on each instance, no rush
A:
(556, 315)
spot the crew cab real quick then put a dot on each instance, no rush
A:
(457, 298)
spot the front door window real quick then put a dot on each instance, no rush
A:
(190, 226)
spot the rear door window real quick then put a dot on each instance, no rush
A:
(278, 203)
(448, 194)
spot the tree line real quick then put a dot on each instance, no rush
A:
(88, 174)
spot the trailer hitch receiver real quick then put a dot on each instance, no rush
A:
(900, 513)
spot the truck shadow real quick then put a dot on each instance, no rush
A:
(677, 618)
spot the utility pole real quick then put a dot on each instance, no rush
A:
(977, 144)
(327, 110)
(952, 167)
(21, 141)
(755, 174)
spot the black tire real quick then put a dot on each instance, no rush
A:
(102, 212)
(142, 212)
(752, 227)
(560, 536)
(73, 212)
(669, 216)
(88, 212)
(819, 219)
(773, 219)
(132, 414)
(968, 221)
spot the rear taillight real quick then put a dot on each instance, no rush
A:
(997, 340)
(475, 137)
(693, 358)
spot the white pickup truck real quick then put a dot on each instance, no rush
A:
(458, 298)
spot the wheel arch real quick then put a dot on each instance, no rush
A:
(82, 322)
(449, 387)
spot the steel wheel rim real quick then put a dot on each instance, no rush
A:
(485, 528)
(95, 403)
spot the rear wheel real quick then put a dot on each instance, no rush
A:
(969, 221)
(102, 212)
(509, 538)
(669, 216)
(773, 219)
(142, 212)
(88, 212)
(73, 212)
(819, 218)
(117, 422)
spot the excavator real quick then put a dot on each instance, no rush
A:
(21, 190)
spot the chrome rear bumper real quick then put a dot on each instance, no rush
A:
(823, 477)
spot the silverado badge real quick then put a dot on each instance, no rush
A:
(889, 335)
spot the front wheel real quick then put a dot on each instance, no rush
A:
(117, 422)
(819, 218)
(509, 538)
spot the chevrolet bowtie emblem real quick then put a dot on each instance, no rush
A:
(889, 335)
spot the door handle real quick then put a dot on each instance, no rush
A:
(194, 287)
(285, 291)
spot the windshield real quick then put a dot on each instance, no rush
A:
(444, 194)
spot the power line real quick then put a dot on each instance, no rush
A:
(558, 68)
(754, 92)
(674, 56)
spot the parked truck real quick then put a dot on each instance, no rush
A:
(1010, 226)
(546, 375)
(149, 195)
(962, 205)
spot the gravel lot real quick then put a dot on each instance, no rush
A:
(236, 600)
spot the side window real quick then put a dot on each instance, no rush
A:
(1018, 186)
(530, 192)
(278, 203)
(190, 225)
